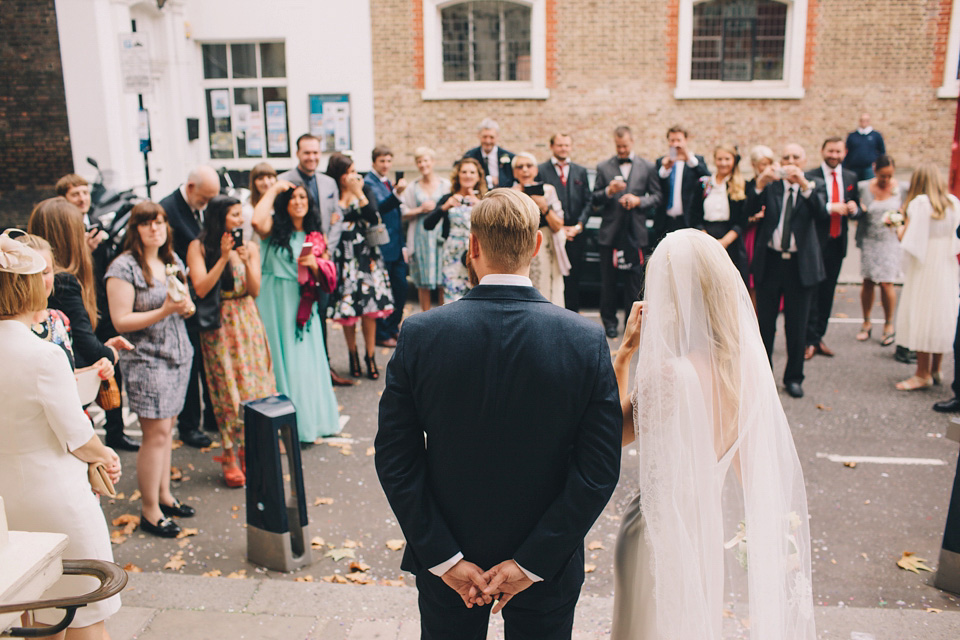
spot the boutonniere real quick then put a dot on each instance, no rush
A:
(849, 187)
(504, 159)
(707, 185)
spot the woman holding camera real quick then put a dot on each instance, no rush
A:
(158, 368)
(550, 264)
(467, 186)
(236, 358)
(720, 210)
(262, 177)
(363, 293)
(47, 442)
(287, 218)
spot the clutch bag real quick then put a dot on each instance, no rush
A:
(100, 481)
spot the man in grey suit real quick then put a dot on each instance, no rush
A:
(515, 473)
(573, 189)
(627, 186)
(325, 192)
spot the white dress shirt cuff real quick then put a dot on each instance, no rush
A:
(664, 172)
(530, 574)
(443, 567)
(806, 192)
(693, 162)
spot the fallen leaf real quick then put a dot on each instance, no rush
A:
(238, 575)
(319, 501)
(335, 578)
(596, 544)
(910, 562)
(183, 543)
(213, 445)
(125, 519)
(192, 468)
(840, 314)
(132, 568)
(864, 556)
(359, 578)
(235, 508)
(176, 562)
(346, 451)
(118, 539)
(932, 610)
(349, 544)
(135, 495)
(395, 545)
(394, 583)
(186, 532)
(303, 579)
(589, 568)
(176, 473)
(121, 496)
(359, 566)
(213, 573)
(176, 445)
(339, 554)
(850, 464)
(823, 407)
(833, 561)
(371, 451)
(317, 542)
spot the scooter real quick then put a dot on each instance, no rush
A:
(110, 211)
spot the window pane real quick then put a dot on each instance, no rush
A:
(737, 49)
(218, 123)
(272, 60)
(247, 96)
(214, 61)
(244, 60)
(517, 27)
(278, 131)
(771, 35)
(738, 40)
(455, 37)
(486, 40)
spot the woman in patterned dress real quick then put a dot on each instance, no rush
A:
(467, 187)
(363, 292)
(418, 199)
(235, 355)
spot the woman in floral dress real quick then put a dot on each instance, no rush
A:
(467, 187)
(236, 358)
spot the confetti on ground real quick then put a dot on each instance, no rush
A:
(395, 545)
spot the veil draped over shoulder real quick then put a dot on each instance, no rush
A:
(721, 486)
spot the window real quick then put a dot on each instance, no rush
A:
(741, 48)
(951, 64)
(484, 49)
(246, 100)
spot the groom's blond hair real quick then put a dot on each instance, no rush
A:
(505, 223)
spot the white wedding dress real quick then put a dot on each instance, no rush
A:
(717, 544)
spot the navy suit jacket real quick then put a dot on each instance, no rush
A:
(185, 225)
(690, 188)
(506, 170)
(389, 207)
(574, 196)
(500, 428)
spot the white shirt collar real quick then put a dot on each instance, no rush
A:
(493, 152)
(555, 160)
(864, 132)
(382, 178)
(508, 279)
(183, 192)
(631, 157)
(828, 172)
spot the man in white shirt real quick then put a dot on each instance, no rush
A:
(495, 160)
(680, 173)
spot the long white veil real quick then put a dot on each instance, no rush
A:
(721, 486)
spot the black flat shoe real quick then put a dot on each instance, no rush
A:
(178, 509)
(123, 442)
(196, 439)
(611, 332)
(165, 527)
(948, 406)
(793, 388)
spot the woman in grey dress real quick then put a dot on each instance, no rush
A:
(879, 246)
(158, 368)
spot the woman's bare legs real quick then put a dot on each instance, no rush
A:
(153, 466)
(423, 295)
(888, 298)
(369, 327)
(350, 336)
(866, 302)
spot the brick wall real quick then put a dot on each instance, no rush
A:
(34, 135)
(615, 62)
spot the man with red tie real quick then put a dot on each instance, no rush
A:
(843, 202)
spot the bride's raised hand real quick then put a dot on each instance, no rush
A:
(631, 334)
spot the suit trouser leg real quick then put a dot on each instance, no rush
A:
(389, 327)
(443, 614)
(576, 253)
(796, 315)
(114, 417)
(633, 288)
(956, 362)
(189, 418)
(520, 623)
(608, 288)
(769, 290)
(822, 303)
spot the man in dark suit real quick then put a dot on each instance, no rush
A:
(787, 261)
(495, 160)
(515, 473)
(325, 192)
(573, 189)
(839, 191)
(680, 172)
(625, 188)
(184, 208)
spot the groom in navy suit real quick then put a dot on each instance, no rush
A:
(499, 441)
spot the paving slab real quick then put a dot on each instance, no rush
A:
(174, 591)
(180, 624)
(129, 621)
(332, 600)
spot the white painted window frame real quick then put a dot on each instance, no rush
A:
(951, 85)
(794, 50)
(436, 89)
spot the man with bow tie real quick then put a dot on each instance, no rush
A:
(495, 160)
(839, 191)
(627, 187)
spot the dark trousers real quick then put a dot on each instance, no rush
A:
(609, 276)
(114, 418)
(782, 278)
(956, 365)
(389, 327)
(189, 418)
(822, 303)
(576, 252)
(542, 612)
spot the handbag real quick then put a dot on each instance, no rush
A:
(208, 308)
(108, 397)
(100, 481)
(376, 235)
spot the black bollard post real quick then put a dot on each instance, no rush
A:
(276, 523)
(948, 569)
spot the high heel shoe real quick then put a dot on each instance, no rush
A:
(355, 364)
(232, 475)
(372, 371)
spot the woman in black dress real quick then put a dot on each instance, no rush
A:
(721, 210)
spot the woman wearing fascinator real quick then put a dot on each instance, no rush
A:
(716, 543)
(47, 442)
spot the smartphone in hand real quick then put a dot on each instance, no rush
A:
(237, 237)
(399, 175)
(534, 189)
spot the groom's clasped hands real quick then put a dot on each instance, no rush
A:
(478, 587)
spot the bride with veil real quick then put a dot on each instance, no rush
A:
(717, 543)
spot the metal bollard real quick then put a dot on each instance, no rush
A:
(276, 524)
(948, 569)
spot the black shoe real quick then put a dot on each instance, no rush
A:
(123, 442)
(372, 371)
(904, 355)
(611, 332)
(178, 509)
(948, 406)
(794, 389)
(196, 438)
(165, 527)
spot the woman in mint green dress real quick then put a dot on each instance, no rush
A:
(284, 217)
